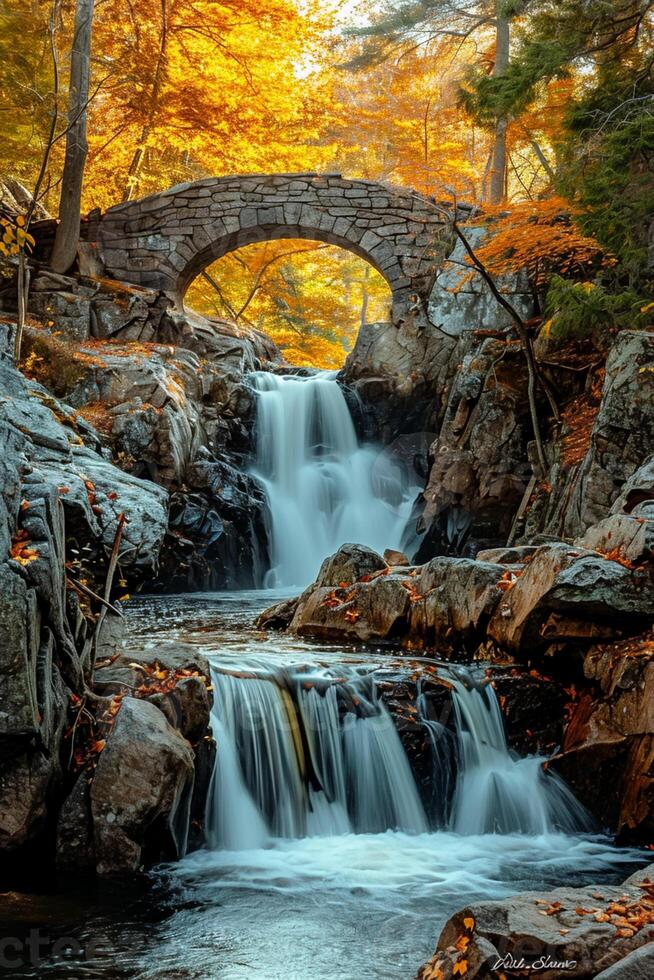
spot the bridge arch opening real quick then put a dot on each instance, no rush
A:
(311, 296)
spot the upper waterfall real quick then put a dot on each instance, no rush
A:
(323, 488)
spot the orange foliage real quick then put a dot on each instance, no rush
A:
(309, 297)
(21, 549)
(540, 237)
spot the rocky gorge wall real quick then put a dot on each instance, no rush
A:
(61, 504)
(144, 411)
(167, 392)
(122, 470)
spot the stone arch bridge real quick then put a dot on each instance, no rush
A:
(165, 240)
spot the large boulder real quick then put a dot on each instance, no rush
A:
(454, 597)
(400, 373)
(462, 303)
(638, 965)
(141, 791)
(572, 932)
(611, 728)
(25, 780)
(363, 611)
(357, 595)
(627, 537)
(565, 594)
(637, 494)
(349, 564)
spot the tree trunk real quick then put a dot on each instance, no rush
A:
(67, 236)
(497, 188)
(365, 298)
(22, 289)
(155, 96)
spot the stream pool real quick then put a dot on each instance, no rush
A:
(335, 907)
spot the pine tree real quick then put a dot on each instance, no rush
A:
(424, 22)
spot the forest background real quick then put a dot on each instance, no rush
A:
(539, 111)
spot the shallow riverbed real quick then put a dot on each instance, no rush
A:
(333, 907)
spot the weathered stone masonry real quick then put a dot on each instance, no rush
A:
(164, 241)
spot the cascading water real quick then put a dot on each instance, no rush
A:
(305, 754)
(323, 858)
(323, 488)
(310, 752)
(496, 791)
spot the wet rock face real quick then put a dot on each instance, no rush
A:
(576, 932)
(170, 392)
(612, 728)
(399, 374)
(615, 475)
(479, 469)
(57, 490)
(217, 537)
(623, 435)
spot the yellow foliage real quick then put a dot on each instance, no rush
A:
(309, 297)
(15, 238)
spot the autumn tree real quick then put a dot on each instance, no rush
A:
(605, 147)
(70, 202)
(311, 298)
(16, 235)
(202, 87)
(27, 91)
(399, 120)
(428, 23)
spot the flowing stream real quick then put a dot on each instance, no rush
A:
(323, 488)
(324, 859)
(328, 855)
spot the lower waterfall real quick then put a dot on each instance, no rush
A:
(496, 790)
(313, 751)
(330, 851)
(323, 488)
